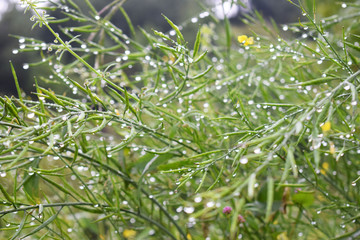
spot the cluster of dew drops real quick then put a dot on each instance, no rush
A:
(218, 86)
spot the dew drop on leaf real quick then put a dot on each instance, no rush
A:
(31, 171)
(244, 160)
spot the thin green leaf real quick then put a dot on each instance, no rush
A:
(16, 82)
(270, 198)
(21, 226)
(44, 224)
(177, 30)
(197, 43)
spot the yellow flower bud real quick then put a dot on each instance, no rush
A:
(325, 167)
(129, 234)
(249, 41)
(245, 40)
(242, 38)
(326, 127)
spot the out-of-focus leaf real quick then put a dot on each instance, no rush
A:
(31, 187)
(304, 198)
(176, 165)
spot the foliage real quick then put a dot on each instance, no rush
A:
(161, 139)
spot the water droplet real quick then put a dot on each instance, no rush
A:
(343, 5)
(285, 28)
(198, 199)
(31, 115)
(353, 184)
(257, 150)
(189, 210)
(97, 18)
(210, 204)
(244, 160)
(204, 14)
(26, 66)
(15, 51)
(69, 230)
(194, 20)
(2, 174)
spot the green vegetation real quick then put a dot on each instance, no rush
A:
(154, 136)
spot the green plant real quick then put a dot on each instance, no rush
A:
(159, 138)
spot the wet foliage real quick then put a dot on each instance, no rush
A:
(237, 133)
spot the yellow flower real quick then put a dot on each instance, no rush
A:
(326, 127)
(242, 38)
(325, 167)
(245, 40)
(249, 41)
(129, 234)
